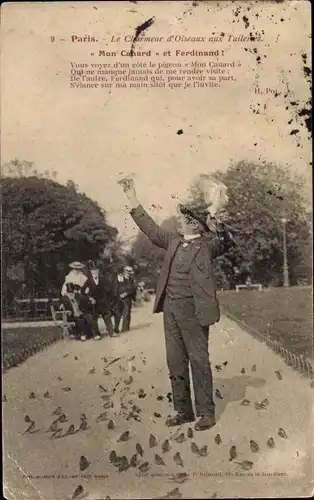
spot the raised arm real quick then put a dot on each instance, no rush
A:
(147, 225)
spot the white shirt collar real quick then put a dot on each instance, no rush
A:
(190, 237)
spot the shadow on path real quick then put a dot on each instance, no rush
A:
(234, 389)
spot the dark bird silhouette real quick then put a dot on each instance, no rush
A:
(259, 406)
(279, 376)
(123, 464)
(32, 395)
(54, 426)
(152, 441)
(173, 494)
(58, 411)
(181, 438)
(194, 448)
(62, 418)
(159, 460)
(125, 436)
(76, 358)
(139, 29)
(141, 393)
(217, 439)
(254, 446)
(111, 425)
(246, 464)
(179, 478)
(271, 443)
(245, 402)
(47, 395)
(67, 389)
(253, 368)
(233, 453)
(190, 433)
(113, 457)
(84, 463)
(225, 363)
(129, 380)
(218, 394)
(282, 433)
(134, 460)
(30, 428)
(57, 434)
(178, 460)
(165, 446)
(242, 370)
(71, 430)
(92, 371)
(218, 368)
(144, 467)
(102, 417)
(203, 451)
(139, 449)
(79, 491)
(27, 419)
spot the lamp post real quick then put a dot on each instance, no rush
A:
(285, 261)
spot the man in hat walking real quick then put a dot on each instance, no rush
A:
(127, 294)
(186, 293)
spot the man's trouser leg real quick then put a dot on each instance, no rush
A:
(195, 338)
(177, 361)
(108, 322)
(118, 315)
(126, 315)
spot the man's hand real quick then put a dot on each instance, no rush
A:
(128, 187)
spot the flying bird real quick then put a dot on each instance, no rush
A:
(217, 439)
(246, 464)
(190, 433)
(159, 460)
(165, 446)
(152, 441)
(282, 433)
(178, 460)
(271, 443)
(84, 463)
(254, 446)
(218, 394)
(233, 453)
(139, 449)
(125, 436)
(245, 402)
(78, 491)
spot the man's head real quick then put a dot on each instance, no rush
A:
(128, 271)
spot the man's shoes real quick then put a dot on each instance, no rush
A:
(97, 337)
(113, 335)
(83, 337)
(179, 419)
(205, 423)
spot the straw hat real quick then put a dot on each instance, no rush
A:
(76, 265)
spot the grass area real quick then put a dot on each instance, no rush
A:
(282, 314)
(20, 343)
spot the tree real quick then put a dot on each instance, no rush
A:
(47, 225)
(260, 195)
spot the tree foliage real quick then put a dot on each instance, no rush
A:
(46, 225)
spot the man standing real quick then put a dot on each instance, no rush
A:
(127, 292)
(186, 293)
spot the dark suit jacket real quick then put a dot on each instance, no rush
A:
(202, 278)
(105, 293)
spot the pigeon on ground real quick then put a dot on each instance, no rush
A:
(30, 429)
(92, 371)
(203, 451)
(125, 436)
(233, 453)
(58, 411)
(113, 457)
(194, 448)
(84, 463)
(279, 376)
(159, 460)
(282, 433)
(62, 418)
(54, 426)
(111, 425)
(83, 424)
(218, 394)
(218, 368)
(67, 389)
(259, 406)
(245, 402)
(271, 443)
(27, 419)
(134, 460)
(242, 370)
(246, 464)
(144, 467)
(190, 433)
(32, 395)
(181, 438)
(217, 439)
(253, 368)
(139, 449)
(79, 490)
(254, 446)
(47, 395)
(123, 464)
(102, 417)
(178, 460)
(265, 402)
(165, 446)
(57, 434)
(152, 441)
(71, 430)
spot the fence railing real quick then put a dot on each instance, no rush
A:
(26, 310)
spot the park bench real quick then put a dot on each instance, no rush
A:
(60, 314)
(250, 287)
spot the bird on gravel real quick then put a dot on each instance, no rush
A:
(279, 376)
(134, 460)
(144, 467)
(113, 457)
(123, 464)
(265, 402)
(259, 406)
(190, 433)
(111, 425)
(165, 446)
(253, 369)
(30, 429)
(32, 395)
(254, 446)
(245, 402)
(217, 439)
(141, 394)
(178, 460)
(84, 463)
(78, 491)
(54, 426)
(152, 441)
(83, 424)
(139, 449)
(194, 448)
(58, 411)
(57, 434)
(63, 419)
(271, 443)
(181, 438)
(246, 464)
(71, 430)
(218, 394)
(203, 451)
(124, 436)
(282, 433)
(233, 453)
(159, 460)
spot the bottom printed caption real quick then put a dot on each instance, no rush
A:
(146, 474)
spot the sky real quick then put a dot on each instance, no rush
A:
(91, 136)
